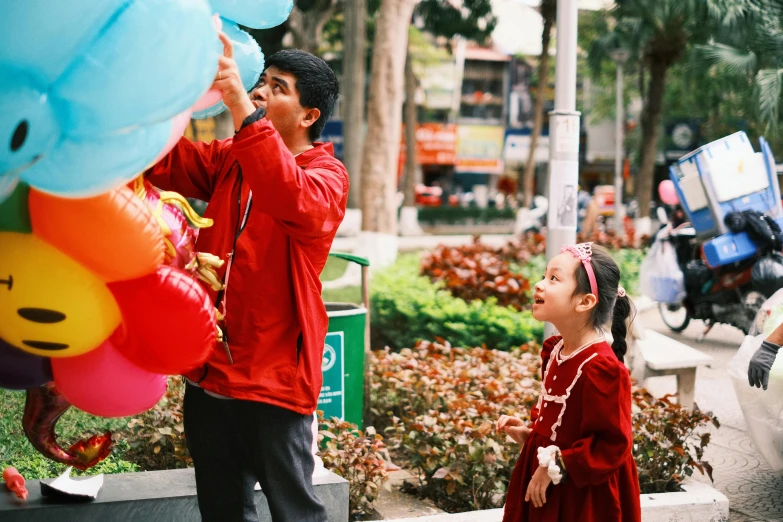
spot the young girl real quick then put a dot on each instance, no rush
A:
(576, 462)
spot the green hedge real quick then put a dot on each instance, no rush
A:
(448, 215)
(407, 307)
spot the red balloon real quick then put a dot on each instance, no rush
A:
(168, 321)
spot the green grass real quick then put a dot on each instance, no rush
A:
(16, 450)
(350, 294)
(334, 268)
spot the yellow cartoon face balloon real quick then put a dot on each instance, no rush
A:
(49, 304)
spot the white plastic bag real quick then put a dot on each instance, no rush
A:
(762, 409)
(660, 276)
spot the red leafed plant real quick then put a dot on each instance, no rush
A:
(669, 441)
(478, 271)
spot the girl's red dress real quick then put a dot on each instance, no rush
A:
(585, 410)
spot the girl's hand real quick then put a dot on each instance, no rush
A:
(514, 428)
(536, 490)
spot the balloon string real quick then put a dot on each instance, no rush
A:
(181, 203)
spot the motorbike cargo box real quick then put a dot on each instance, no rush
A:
(726, 176)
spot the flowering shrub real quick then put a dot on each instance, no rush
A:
(669, 442)
(357, 457)
(508, 273)
(438, 404)
(477, 271)
(157, 436)
(407, 307)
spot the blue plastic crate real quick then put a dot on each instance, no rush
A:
(730, 248)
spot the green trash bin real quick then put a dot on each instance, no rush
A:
(345, 361)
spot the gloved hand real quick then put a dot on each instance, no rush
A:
(761, 364)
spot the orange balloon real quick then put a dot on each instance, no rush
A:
(114, 235)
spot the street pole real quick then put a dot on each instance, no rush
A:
(563, 173)
(619, 56)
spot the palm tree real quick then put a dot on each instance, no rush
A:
(658, 33)
(753, 51)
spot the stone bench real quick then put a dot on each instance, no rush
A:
(654, 354)
(151, 496)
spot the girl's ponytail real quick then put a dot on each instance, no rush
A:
(623, 310)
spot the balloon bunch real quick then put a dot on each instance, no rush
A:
(92, 94)
(98, 299)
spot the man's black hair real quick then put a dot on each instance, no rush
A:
(315, 81)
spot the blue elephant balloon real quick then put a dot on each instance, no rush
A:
(250, 62)
(88, 89)
(254, 13)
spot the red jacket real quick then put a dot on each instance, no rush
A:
(275, 318)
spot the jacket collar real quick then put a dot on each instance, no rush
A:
(319, 149)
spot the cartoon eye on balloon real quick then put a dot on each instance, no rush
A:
(88, 91)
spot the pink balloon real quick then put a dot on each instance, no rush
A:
(210, 98)
(179, 236)
(667, 192)
(104, 383)
(178, 125)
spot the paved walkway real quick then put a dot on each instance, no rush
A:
(409, 243)
(755, 492)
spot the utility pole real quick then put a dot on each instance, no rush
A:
(619, 56)
(563, 175)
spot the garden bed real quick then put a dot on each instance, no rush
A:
(438, 404)
(434, 402)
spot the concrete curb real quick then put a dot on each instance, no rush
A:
(698, 503)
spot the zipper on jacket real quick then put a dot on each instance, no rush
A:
(241, 225)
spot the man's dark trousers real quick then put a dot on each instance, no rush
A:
(236, 442)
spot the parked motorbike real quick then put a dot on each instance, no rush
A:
(714, 295)
(532, 219)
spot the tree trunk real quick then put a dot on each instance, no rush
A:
(384, 118)
(651, 120)
(411, 160)
(548, 10)
(307, 25)
(354, 74)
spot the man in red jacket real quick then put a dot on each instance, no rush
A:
(277, 197)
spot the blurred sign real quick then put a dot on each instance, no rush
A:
(437, 82)
(201, 130)
(333, 132)
(517, 147)
(480, 148)
(436, 144)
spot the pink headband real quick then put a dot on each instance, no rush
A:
(584, 253)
